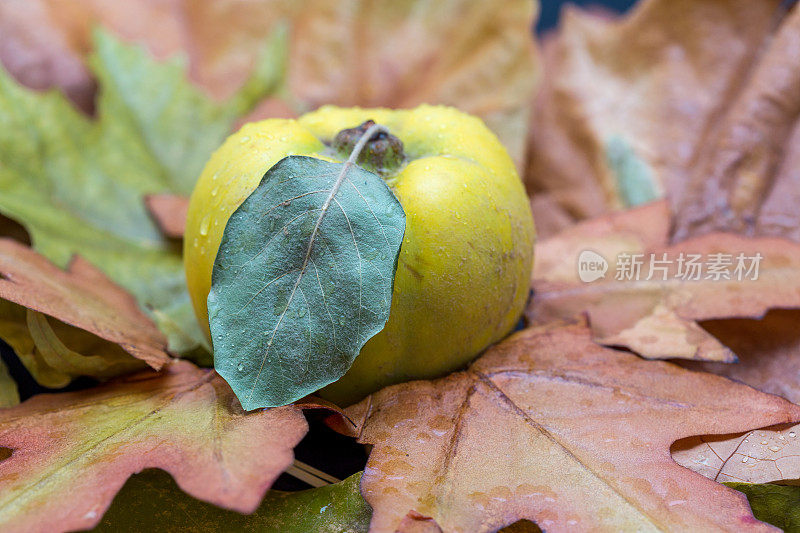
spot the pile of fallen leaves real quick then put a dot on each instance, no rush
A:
(671, 132)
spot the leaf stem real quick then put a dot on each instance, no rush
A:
(362, 142)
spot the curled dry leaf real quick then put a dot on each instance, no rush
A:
(55, 353)
(169, 212)
(769, 360)
(82, 297)
(500, 442)
(414, 53)
(656, 318)
(745, 176)
(71, 454)
(625, 103)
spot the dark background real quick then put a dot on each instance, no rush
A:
(550, 9)
(322, 448)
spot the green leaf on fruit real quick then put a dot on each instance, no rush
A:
(152, 501)
(303, 278)
(778, 505)
(77, 184)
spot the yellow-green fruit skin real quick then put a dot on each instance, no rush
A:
(463, 273)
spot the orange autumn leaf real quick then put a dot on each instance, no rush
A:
(82, 297)
(72, 452)
(656, 318)
(625, 104)
(395, 54)
(503, 441)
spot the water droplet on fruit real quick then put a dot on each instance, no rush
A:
(204, 225)
(774, 448)
(744, 459)
(240, 368)
(214, 191)
(244, 139)
(792, 434)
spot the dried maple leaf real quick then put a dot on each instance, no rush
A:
(82, 297)
(744, 178)
(625, 103)
(551, 427)
(656, 318)
(72, 452)
(355, 52)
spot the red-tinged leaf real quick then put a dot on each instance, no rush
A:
(656, 318)
(72, 452)
(169, 211)
(82, 297)
(550, 427)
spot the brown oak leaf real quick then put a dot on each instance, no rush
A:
(72, 452)
(550, 427)
(657, 317)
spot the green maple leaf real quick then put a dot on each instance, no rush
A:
(77, 184)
